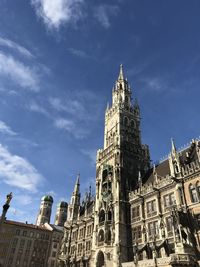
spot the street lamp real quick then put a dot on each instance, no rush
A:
(5, 209)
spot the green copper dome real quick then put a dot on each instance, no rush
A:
(47, 198)
(63, 204)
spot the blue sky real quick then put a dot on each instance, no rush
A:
(58, 63)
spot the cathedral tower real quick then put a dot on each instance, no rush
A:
(44, 215)
(117, 168)
(61, 213)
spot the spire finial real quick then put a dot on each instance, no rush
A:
(107, 108)
(173, 146)
(78, 179)
(77, 184)
(121, 75)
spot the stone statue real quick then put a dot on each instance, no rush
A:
(9, 197)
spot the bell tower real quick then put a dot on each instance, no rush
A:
(117, 168)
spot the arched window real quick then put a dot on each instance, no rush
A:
(109, 235)
(100, 259)
(193, 193)
(132, 124)
(101, 236)
(181, 195)
(109, 215)
(126, 99)
(125, 121)
(102, 216)
(105, 174)
(176, 168)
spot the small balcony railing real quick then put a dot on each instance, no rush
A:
(100, 243)
(136, 219)
(151, 214)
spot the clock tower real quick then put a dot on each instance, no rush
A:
(117, 168)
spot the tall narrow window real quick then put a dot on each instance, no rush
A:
(198, 189)
(102, 216)
(169, 226)
(193, 193)
(101, 236)
(153, 229)
(109, 215)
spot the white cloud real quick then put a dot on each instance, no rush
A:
(39, 109)
(103, 13)
(17, 171)
(22, 50)
(71, 127)
(79, 53)
(64, 124)
(23, 199)
(57, 12)
(73, 107)
(155, 84)
(5, 129)
(18, 72)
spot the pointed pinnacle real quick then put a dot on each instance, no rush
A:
(121, 75)
(78, 179)
(173, 146)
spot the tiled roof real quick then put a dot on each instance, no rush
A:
(186, 156)
(32, 226)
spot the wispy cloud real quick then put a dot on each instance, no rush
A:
(5, 129)
(78, 53)
(23, 199)
(91, 154)
(18, 172)
(154, 83)
(18, 72)
(57, 12)
(37, 108)
(70, 106)
(71, 127)
(137, 69)
(103, 14)
(22, 50)
(65, 124)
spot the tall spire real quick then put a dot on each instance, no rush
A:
(173, 147)
(77, 185)
(121, 74)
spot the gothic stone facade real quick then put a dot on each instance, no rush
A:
(141, 216)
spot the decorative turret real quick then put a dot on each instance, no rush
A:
(121, 91)
(61, 213)
(73, 209)
(174, 160)
(44, 215)
(155, 174)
